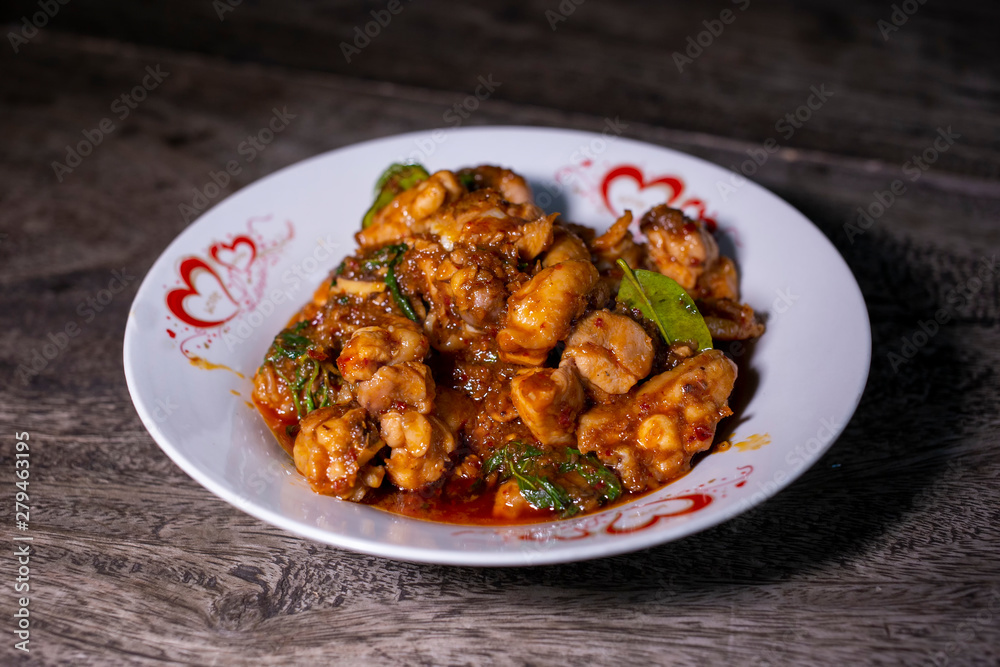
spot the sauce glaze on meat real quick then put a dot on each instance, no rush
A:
(470, 363)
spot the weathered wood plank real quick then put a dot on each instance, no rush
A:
(885, 552)
(617, 59)
(160, 153)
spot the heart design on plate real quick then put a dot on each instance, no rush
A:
(239, 254)
(696, 502)
(696, 209)
(625, 187)
(204, 302)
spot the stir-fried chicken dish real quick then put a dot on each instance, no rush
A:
(478, 360)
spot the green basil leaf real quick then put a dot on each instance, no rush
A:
(289, 344)
(543, 494)
(531, 468)
(595, 473)
(394, 289)
(395, 179)
(467, 178)
(296, 340)
(383, 256)
(518, 460)
(289, 354)
(666, 303)
(494, 463)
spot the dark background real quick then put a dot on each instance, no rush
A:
(886, 551)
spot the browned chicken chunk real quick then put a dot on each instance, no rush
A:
(548, 401)
(334, 450)
(609, 351)
(420, 448)
(679, 247)
(472, 362)
(665, 422)
(540, 313)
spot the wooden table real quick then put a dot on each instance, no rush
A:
(887, 551)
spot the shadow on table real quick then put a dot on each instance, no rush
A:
(887, 461)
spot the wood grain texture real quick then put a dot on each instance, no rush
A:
(887, 551)
(616, 59)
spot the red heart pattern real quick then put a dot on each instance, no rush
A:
(697, 502)
(204, 301)
(629, 185)
(637, 518)
(238, 254)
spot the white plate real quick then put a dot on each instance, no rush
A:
(228, 283)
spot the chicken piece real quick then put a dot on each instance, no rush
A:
(531, 236)
(362, 288)
(426, 269)
(511, 185)
(420, 448)
(455, 408)
(479, 295)
(720, 281)
(447, 335)
(407, 213)
(526, 211)
(334, 451)
(491, 229)
(610, 352)
(405, 385)
(485, 218)
(729, 320)
(679, 247)
(371, 348)
(499, 404)
(465, 479)
(651, 438)
(697, 390)
(535, 237)
(565, 246)
(270, 391)
(548, 400)
(508, 503)
(617, 243)
(540, 313)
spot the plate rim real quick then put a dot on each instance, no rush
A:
(455, 557)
